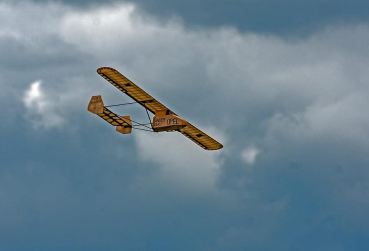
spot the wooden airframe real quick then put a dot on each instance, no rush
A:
(164, 119)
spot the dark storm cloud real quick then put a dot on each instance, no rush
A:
(286, 16)
(272, 16)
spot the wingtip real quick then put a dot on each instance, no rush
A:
(217, 148)
(214, 148)
(101, 69)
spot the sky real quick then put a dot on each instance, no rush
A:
(282, 84)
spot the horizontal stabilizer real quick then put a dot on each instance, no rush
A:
(96, 106)
(126, 129)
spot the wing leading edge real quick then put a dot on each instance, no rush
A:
(148, 102)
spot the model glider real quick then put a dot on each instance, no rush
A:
(164, 119)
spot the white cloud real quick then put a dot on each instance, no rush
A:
(22, 22)
(40, 108)
(249, 155)
(181, 161)
(113, 26)
(34, 96)
(340, 119)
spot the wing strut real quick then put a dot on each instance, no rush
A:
(137, 123)
(129, 103)
(148, 117)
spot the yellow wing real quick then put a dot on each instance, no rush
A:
(200, 138)
(128, 87)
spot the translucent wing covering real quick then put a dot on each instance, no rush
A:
(200, 138)
(131, 89)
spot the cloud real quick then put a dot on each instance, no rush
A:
(34, 95)
(286, 17)
(40, 109)
(258, 88)
(299, 102)
(249, 155)
(181, 163)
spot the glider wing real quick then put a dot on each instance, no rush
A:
(131, 89)
(200, 138)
